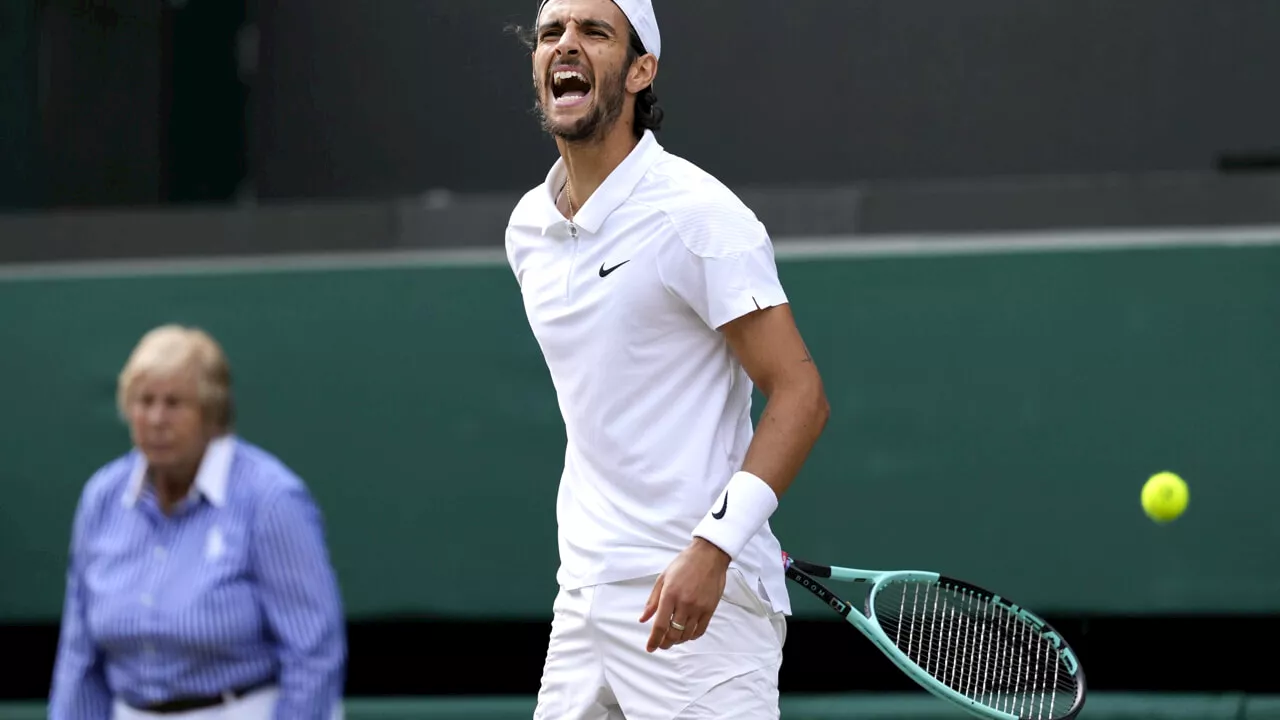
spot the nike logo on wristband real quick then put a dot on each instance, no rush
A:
(723, 506)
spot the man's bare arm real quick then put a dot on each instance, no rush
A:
(768, 345)
(773, 354)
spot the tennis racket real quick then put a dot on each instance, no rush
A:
(960, 642)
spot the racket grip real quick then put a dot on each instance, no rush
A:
(823, 571)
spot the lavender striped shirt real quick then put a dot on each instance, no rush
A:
(234, 589)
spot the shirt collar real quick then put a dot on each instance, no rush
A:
(211, 478)
(612, 192)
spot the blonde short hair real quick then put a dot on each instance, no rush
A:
(173, 348)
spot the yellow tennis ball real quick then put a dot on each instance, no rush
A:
(1164, 496)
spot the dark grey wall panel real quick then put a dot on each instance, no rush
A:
(142, 103)
(18, 90)
(102, 113)
(402, 96)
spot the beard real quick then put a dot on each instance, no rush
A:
(606, 107)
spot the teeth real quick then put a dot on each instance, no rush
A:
(568, 74)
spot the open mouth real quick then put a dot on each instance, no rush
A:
(569, 87)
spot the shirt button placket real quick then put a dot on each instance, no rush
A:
(159, 558)
(155, 570)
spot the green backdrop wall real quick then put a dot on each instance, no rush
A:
(994, 417)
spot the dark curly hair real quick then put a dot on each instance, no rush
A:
(649, 113)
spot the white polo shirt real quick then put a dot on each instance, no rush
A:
(625, 303)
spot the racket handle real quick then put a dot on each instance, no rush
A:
(822, 571)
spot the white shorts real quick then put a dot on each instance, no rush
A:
(597, 667)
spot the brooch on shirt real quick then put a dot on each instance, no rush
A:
(214, 546)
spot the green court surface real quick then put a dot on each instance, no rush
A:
(917, 706)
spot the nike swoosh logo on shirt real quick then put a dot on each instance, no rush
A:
(605, 273)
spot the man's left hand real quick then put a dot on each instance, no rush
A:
(686, 595)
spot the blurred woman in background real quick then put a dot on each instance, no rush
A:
(199, 583)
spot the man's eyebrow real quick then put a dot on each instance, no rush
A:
(587, 24)
(591, 23)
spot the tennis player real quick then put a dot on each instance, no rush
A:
(653, 293)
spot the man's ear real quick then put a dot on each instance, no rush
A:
(643, 73)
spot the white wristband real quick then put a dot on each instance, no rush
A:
(740, 510)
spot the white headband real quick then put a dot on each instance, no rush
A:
(643, 20)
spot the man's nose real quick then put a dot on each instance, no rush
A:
(569, 43)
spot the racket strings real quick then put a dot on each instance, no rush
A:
(977, 648)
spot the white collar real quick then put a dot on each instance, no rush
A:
(611, 194)
(211, 478)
